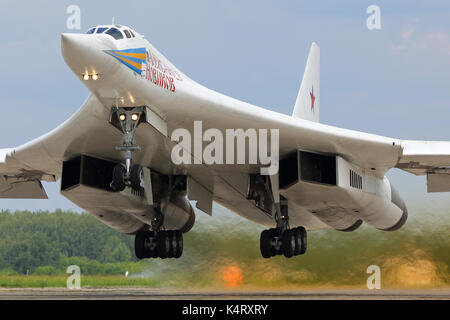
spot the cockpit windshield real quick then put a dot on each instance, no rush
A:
(100, 30)
(115, 33)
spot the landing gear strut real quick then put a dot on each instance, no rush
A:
(282, 239)
(127, 120)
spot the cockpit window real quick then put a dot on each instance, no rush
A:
(127, 33)
(115, 33)
(90, 31)
(101, 30)
(132, 34)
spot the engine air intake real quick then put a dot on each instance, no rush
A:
(308, 167)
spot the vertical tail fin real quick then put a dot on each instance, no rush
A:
(307, 104)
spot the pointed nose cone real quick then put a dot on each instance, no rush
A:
(84, 53)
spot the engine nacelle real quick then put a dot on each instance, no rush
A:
(398, 201)
(179, 214)
(86, 182)
(339, 193)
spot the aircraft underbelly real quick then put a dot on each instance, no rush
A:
(230, 191)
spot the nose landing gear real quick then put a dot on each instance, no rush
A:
(127, 120)
(153, 243)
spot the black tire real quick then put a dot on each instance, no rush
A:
(139, 245)
(135, 176)
(149, 252)
(303, 237)
(118, 178)
(264, 244)
(173, 244)
(275, 233)
(154, 253)
(288, 241)
(179, 251)
(162, 244)
(298, 241)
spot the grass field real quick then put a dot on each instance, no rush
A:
(223, 253)
(60, 281)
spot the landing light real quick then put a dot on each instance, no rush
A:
(134, 116)
(94, 76)
(122, 117)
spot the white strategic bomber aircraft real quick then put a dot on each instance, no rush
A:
(114, 155)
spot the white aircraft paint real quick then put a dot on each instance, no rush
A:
(176, 101)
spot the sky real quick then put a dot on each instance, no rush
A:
(394, 81)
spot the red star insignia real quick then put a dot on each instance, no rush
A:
(313, 98)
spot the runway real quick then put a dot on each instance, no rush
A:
(170, 294)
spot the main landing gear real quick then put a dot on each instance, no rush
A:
(162, 244)
(291, 242)
(159, 243)
(281, 240)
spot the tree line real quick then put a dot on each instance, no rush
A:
(47, 242)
